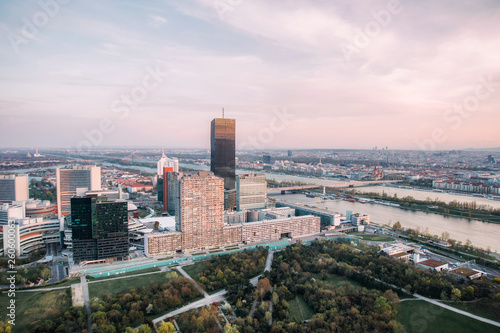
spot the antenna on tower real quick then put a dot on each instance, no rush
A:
(222, 112)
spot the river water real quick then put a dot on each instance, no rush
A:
(481, 234)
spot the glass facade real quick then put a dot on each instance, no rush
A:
(99, 229)
(222, 162)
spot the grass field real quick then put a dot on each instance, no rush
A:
(420, 317)
(193, 270)
(35, 306)
(98, 288)
(295, 307)
(141, 271)
(376, 238)
(334, 280)
(479, 309)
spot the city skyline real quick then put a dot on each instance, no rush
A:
(280, 70)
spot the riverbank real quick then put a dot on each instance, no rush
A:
(467, 210)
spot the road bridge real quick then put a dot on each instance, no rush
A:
(336, 185)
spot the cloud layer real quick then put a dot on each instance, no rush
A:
(353, 74)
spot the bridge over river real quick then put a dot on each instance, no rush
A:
(296, 189)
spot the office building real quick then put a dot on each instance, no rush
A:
(200, 210)
(222, 162)
(230, 200)
(69, 180)
(99, 229)
(290, 153)
(14, 188)
(266, 159)
(163, 193)
(25, 234)
(165, 162)
(251, 191)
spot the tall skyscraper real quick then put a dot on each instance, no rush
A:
(251, 191)
(68, 180)
(222, 162)
(99, 228)
(14, 188)
(200, 210)
(165, 162)
(163, 194)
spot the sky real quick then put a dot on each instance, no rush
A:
(294, 74)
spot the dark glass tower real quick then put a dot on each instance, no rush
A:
(223, 150)
(99, 229)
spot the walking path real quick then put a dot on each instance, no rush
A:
(217, 297)
(85, 288)
(447, 307)
(186, 275)
(451, 308)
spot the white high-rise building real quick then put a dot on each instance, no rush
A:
(69, 180)
(166, 162)
(14, 188)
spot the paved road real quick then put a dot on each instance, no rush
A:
(267, 268)
(186, 275)
(269, 261)
(85, 289)
(217, 297)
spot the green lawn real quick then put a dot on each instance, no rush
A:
(35, 306)
(482, 309)
(141, 271)
(377, 238)
(193, 270)
(423, 317)
(333, 280)
(295, 310)
(98, 288)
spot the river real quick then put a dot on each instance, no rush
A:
(481, 234)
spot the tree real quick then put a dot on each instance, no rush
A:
(230, 329)
(263, 286)
(275, 298)
(143, 329)
(456, 294)
(5, 327)
(397, 226)
(166, 327)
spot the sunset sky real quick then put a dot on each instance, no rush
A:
(346, 74)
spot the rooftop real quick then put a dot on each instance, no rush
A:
(432, 263)
(465, 272)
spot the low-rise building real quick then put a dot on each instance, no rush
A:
(466, 273)
(433, 264)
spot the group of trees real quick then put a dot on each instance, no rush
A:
(42, 190)
(32, 257)
(204, 320)
(114, 313)
(232, 269)
(74, 320)
(25, 274)
(301, 270)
